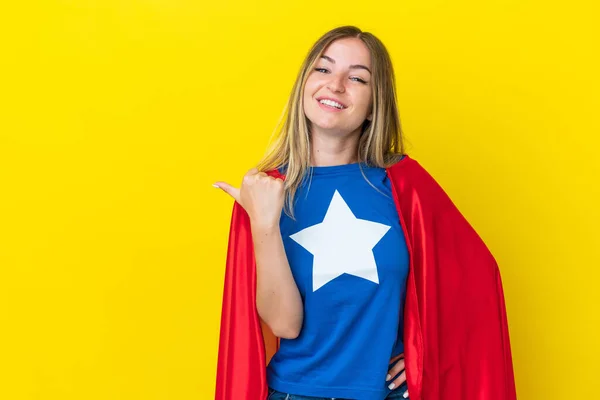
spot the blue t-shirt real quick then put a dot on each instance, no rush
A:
(349, 259)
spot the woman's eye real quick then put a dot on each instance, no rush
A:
(358, 79)
(354, 78)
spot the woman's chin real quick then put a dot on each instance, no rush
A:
(327, 124)
(328, 127)
(331, 128)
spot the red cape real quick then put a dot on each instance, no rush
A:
(456, 335)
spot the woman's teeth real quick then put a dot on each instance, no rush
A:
(331, 103)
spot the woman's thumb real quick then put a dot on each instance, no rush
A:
(227, 188)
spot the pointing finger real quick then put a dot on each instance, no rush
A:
(230, 190)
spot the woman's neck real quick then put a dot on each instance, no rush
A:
(327, 151)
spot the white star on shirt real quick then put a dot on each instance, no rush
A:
(341, 244)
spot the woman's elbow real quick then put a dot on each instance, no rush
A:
(286, 328)
(286, 332)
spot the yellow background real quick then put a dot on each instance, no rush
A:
(117, 116)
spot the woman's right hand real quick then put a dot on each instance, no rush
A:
(260, 195)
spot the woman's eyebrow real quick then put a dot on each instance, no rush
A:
(354, 66)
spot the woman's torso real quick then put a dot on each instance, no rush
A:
(349, 259)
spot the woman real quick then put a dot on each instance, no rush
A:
(345, 255)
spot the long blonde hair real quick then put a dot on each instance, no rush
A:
(381, 141)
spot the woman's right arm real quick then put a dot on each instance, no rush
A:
(277, 296)
(278, 299)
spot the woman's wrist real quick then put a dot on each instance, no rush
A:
(264, 227)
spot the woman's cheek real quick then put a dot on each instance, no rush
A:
(365, 101)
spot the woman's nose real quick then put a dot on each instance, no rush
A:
(336, 84)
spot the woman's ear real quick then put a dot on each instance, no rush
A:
(370, 115)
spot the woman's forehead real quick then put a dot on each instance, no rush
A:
(347, 51)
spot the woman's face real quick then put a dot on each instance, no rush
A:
(341, 75)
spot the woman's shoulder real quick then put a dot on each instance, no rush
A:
(399, 161)
(412, 179)
(406, 164)
(410, 172)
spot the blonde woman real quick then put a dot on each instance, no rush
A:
(350, 273)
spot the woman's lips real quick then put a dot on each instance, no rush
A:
(329, 108)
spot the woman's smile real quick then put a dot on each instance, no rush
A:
(328, 107)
